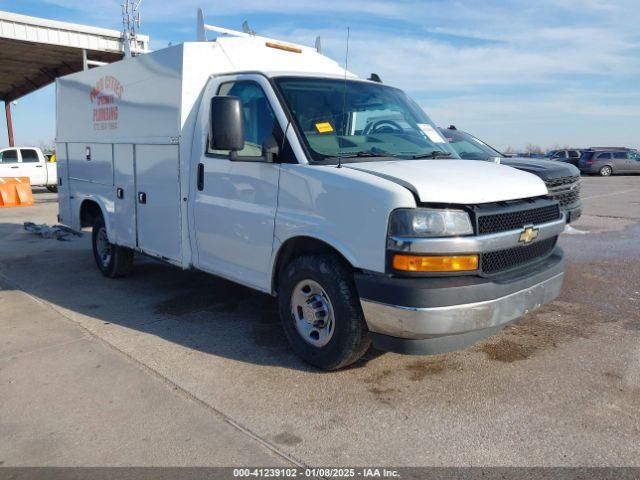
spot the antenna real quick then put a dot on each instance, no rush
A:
(247, 29)
(344, 93)
(131, 21)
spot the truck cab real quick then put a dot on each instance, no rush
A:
(266, 163)
(28, 162)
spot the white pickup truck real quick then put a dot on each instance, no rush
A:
(265, 163)
(29, 162)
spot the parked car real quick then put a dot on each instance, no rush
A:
(562, 180)
(29, 162)
(609, 161)
(568, 156)
(258, 161)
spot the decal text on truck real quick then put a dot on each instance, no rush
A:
(104, 96)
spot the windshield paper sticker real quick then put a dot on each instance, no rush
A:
(431, 133)
(324, 127)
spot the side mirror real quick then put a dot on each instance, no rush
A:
(270, 149)
(226, 124)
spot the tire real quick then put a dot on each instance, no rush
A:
(606, 171)
(52, 188)
(112, 260)
(322, 283)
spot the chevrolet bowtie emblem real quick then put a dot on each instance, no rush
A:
(528, 235)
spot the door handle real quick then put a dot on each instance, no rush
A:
(120, 193)
(201, 176)
(142, 197)
(38, 166)
(15, 167)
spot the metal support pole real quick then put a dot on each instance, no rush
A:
(85, 65)
(7, 111)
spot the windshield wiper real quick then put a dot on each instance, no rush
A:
(364, 153)
(432, 154)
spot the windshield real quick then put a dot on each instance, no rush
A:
(356, 119)
(469, 147)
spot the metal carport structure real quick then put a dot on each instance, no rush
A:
(35, 51)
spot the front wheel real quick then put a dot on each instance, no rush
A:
(52, 188)
(606, 171)
(112, 260)
(320, 311)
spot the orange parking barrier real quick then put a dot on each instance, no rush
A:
(15, 192)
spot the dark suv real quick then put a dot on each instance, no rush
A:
(562, 179)
(607, 161)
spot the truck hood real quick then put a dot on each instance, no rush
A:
(456, 181)
(545, 169)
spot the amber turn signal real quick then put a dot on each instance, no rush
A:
(418, 263)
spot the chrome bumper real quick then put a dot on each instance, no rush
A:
(421, 323)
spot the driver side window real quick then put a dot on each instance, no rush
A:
(259, 120)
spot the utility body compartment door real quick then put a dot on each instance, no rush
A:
(91, 162)
(64, 202)
(123, 226)
(157, 200)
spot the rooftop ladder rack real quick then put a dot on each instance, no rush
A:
(202, 29)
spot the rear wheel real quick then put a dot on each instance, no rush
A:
(320, 311)
(606, 171)
(112, 260)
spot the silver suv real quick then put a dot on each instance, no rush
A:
(608, 161)
(571, 156)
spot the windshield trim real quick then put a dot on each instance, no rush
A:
(312, 156)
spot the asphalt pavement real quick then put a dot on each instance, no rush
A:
(168, 367)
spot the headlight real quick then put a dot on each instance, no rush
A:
(418, 222)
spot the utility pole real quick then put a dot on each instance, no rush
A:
(7, 111)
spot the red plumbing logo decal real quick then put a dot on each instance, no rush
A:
(104, 96)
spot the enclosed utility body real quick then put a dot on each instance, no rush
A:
(266, 163)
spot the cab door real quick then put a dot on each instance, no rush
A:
(235, 200)
(634, 158)
(9, 165)
(621, 162)
(33, 166)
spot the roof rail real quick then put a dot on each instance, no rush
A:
(203, 28)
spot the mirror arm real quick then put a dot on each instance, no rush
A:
(270, 149)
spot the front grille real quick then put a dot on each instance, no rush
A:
(502, 222)
(498, 261)
(565, 190)
(558, 182)
(566, 198)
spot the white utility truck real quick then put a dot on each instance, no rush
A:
(266, 163)
(29, 162)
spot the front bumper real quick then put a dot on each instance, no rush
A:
(440, 314)
(572, 212)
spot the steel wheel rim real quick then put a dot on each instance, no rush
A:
(312, 313)
(103, 247)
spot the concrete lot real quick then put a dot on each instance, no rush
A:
(178, 368)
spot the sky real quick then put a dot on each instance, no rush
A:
(514, 73)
